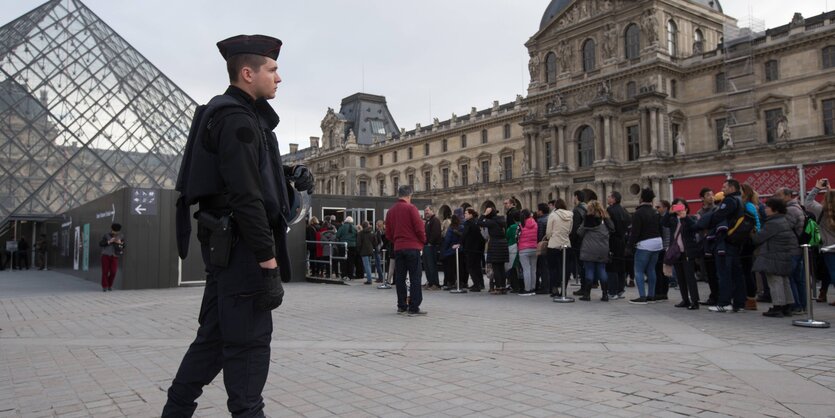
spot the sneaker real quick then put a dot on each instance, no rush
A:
(614, 297)
(578, 292)
(417, 313)
(401, 311)
(682, 304)
(638, 301)
(720, 308)
(660, 298)
(366, 282)
(621, 295)
(527, 294)
(651, 299)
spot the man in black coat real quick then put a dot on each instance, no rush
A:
(617, 245)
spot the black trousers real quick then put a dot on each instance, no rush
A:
(232, 337)
(662, 283)
(474, 269)
(686, 275)
(499, 280)
(555, 269)
(709, 270)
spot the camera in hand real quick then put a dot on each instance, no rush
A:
(825, 182)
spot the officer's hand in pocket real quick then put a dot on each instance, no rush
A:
(273, 293)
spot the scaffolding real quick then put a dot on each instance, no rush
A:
(740, 78)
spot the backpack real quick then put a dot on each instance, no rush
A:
(811, 230)
(741, 229)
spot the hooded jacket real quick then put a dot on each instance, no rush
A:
(595, 235)
(776, 244)
(559, 228)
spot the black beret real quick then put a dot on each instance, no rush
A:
(250, 44)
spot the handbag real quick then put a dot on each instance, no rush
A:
(673, 253)
(542, 247)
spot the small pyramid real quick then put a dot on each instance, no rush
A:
(82, 113)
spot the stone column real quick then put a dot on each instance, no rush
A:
(644, 133)
(653, 130)
(561, 146)
(537, 155)
(571, 153)
(662, 141)
(527, 151)
(607, 131)
(556, 151)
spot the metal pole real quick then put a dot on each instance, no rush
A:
(564, 297)
(458, 289)
(385, 284)
(809, 322)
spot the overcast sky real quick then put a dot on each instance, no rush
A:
(430, 58)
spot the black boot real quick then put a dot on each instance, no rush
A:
(787, 309)
(582, 290)
(604, 287)
(775, 311)
(585, 292)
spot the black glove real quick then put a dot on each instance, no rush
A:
(273, 293)
(302, 179)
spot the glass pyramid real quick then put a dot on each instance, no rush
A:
(82, 114)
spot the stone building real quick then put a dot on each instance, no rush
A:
(623, 95)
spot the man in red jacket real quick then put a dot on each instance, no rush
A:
(405, 229)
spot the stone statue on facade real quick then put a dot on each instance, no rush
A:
(434, 181)
(533, 67)
(727, 140)
(610, 41)
(352, 139)
(680, 143)
(649, 24)
(454, 178)
(477, 175)
(783, 133)
(525, 169)
(566, 56)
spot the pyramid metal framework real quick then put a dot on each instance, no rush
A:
(82, 114)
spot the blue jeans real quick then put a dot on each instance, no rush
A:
(645, 261)
(731, 278)
(408, 261)
(798, 282)
(378, 263)
(595, 271)
(366, 264)
(430, 259)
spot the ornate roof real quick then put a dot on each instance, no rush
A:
(557, 6)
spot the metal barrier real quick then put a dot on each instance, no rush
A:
(458, 289)
(385, 278)
(331, 245)
(809, 322)
(564, 297)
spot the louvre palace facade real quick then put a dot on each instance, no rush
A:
(623, 95)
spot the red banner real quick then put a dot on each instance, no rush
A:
(766, 182)
(689, 188)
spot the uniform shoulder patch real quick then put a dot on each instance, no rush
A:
(245, 134)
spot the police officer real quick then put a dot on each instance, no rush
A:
(232, 169)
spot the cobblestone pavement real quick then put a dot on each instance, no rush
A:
(67, 349)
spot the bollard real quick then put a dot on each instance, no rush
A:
(385, 284)
(564, 298)
(458, 289)
(809, 322)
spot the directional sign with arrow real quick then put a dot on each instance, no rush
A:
(144, 201)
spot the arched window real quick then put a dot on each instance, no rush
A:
(585, 147)
(551, 67)
(698, 42)
(632, 42)
(588, 55)
(672, 38)
(631, 89)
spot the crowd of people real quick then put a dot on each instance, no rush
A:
(747, 249)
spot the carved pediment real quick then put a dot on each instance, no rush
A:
(463, 160)
(426, 167)
(773, 100)
(410, 170)
(484, 156)
(506, 151)
(394, 173)
(579, 11)
(380, 176)
(444, 163)
(824, 90)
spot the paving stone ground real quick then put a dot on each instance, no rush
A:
(67, 349)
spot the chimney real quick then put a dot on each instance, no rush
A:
(314, 142)
(294, 148)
